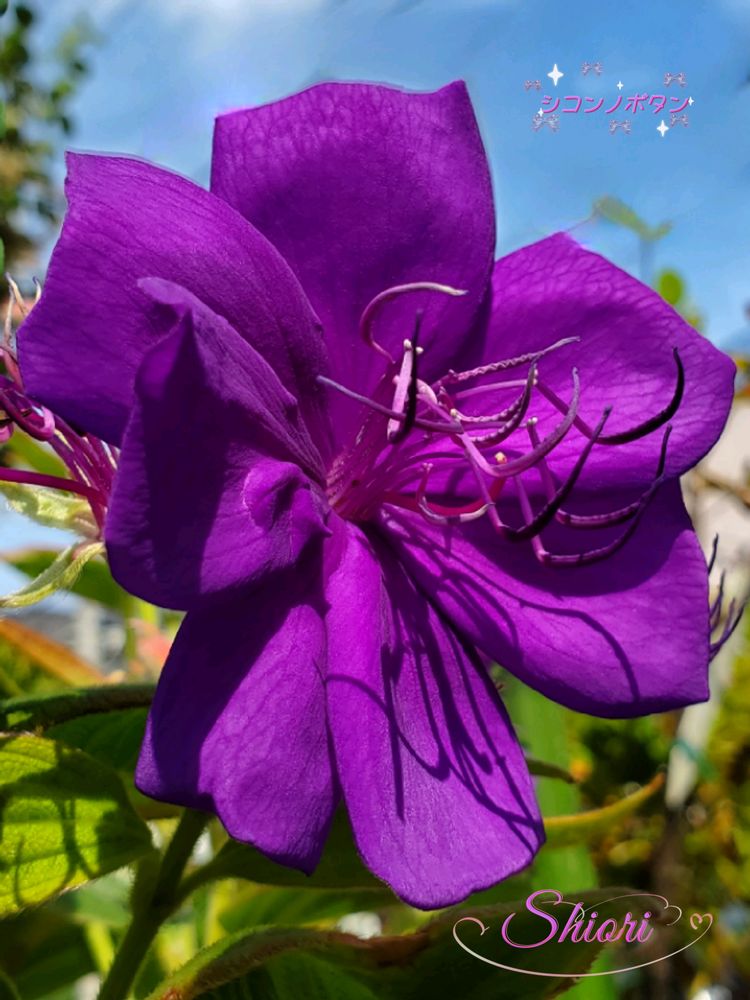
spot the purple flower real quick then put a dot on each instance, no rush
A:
(366, 460)
(89, 462)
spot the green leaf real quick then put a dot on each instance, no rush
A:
(60, 575)
(94, 581)
(278, 962)
(30, 452)
(113, 737)
(64, 819)
(41, 655)
(671, 287)
(7, 989)
(257, 905)
(104, 901)
(339, 868)
(616, 211)
(65, 711)
(52, 508)
(565, 830)
(43, 953)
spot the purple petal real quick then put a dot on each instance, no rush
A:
(127, 220)
(238, 723)
(555, 289)
(620, 638)
(361, 188)
(209, 493)
(434, 781)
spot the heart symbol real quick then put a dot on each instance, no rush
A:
(696, 919)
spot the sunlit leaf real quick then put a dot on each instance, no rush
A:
(65, 818)
(60, 575)
(94, 582)
(52, 508)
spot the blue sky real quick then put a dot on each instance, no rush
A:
(165, 68)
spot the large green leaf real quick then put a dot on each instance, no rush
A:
(278, 962)
(94, 580)
(102, 701)
(258, 905)
(112, 737)
(64, 819)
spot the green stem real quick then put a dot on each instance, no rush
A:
(153, 907)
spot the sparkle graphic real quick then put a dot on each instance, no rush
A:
(691, 101)
(662, 127)
(555, 74)
(620, 84)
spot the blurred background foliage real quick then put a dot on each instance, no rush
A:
(695, 849)
(37, 87)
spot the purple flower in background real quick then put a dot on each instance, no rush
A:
(366, 460)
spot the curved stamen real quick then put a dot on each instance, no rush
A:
(553, 504)
(714, 551)
(498, 366)
(501, 415)
(640, 430)
(374, 307)
(513, 466)
(733, 620)
(714, 611)
(580, 558)
(514, 422)
(622, 514)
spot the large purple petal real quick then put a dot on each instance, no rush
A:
(623, 637)
(626, 336)
(238, 723)
(218, 483)
(128, 220)
(433, 778)
(361, 188)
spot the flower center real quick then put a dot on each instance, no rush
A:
(446, 450)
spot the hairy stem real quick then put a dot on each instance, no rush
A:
(155, 903)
